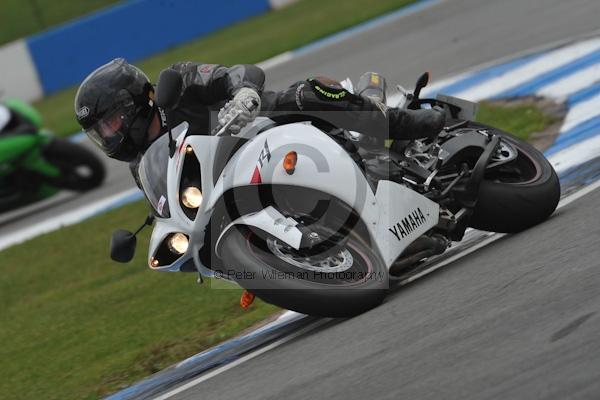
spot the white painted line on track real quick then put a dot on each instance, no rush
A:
(581, 112)
(8, 217)
(576, 154)
(578, 194)
(530, 70)
(348, 33)
(276, 61)
(241, 360)
(571, 84)
(68, 218)
(391, 17)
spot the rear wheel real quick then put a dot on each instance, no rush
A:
(341, 282)
(518, 194)
(80, 169)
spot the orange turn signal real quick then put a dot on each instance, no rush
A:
(289, 162)
(247, 299)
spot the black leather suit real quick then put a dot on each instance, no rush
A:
(206, 87)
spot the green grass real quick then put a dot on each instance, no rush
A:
(20, 18)
(251, 41)
(76, 325)
(519, 119)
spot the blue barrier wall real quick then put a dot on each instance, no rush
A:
(134, 30)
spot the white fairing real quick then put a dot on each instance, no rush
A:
(322, 165)
(269, 220)
(204, 149)
(175, 223)
(404, 215)
(325, 166)
(394, 216)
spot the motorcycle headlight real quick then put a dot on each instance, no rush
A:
(191, 197)
(171, 248)
(178, 243)
(190, 185)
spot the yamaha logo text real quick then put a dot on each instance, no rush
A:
(408, 224)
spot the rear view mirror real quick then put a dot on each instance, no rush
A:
(168, 89)
(122, 246)
(421, 83)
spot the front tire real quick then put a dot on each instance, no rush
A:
(256, 268)
(511, 204)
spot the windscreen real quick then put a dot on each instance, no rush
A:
(152, 171)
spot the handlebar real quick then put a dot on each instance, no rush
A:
(220, 130)
(453, 108)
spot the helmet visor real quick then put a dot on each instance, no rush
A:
(110, 131)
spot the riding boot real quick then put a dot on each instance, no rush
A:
(326, 99)
(415, 124)
(376, 119)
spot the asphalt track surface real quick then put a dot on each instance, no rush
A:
(517, 319)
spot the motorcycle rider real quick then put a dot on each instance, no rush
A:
(114, 105)
(13, 122)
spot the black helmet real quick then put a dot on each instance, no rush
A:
(114, 107)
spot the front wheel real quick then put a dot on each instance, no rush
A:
(80, 169)
(343, 282)
(519, 194)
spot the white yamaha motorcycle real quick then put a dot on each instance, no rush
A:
(313, 219)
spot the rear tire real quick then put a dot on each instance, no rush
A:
(515, 206)
(243, 256)
(80, 168)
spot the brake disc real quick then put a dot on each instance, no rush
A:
(331, 263)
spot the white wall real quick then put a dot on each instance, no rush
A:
(276, 4)
(18, 76)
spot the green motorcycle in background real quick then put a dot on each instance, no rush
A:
(35, 165)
